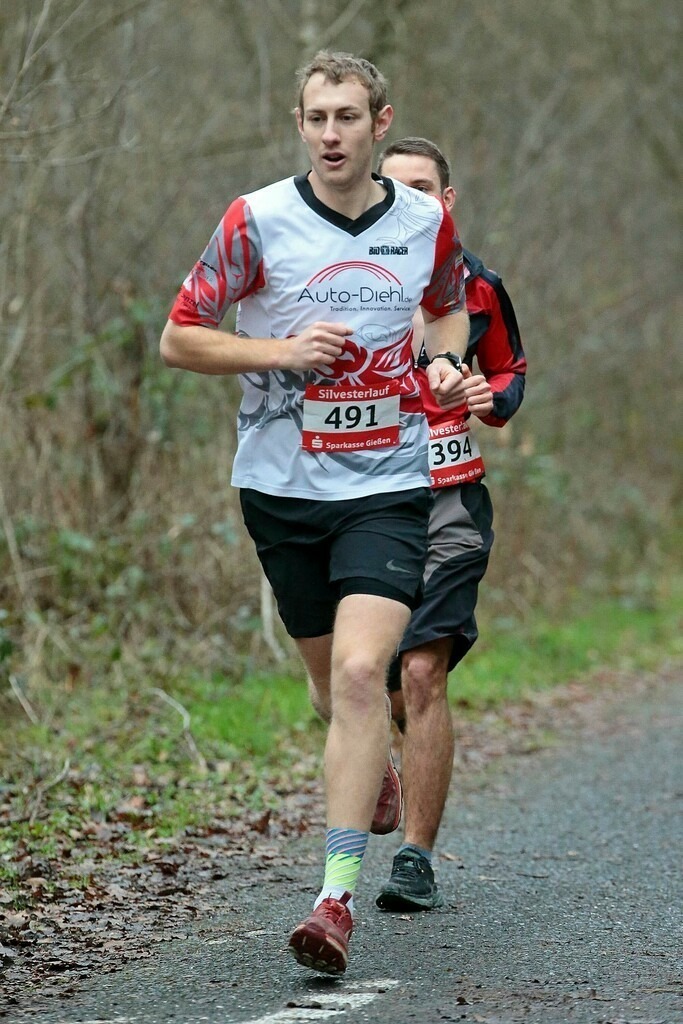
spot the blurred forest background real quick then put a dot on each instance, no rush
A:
(125, 130)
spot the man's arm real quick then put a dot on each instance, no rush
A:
(231, 268)
(496, 342)
(212, 351)
(446, 334)
(446, 323)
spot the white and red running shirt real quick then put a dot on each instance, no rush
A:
(357, 427)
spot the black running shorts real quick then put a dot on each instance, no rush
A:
(460, 539)
(316, 552)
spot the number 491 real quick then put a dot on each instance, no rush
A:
(349, 416)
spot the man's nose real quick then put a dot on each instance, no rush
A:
(331, 131)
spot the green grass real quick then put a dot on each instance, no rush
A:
(510, 660)
(252, 717)
(112, 750)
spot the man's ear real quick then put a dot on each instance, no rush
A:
(299, 122)
(449, 196)
(382, 123)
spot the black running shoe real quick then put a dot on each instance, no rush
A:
(411, 886)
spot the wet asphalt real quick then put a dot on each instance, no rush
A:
(562, 877)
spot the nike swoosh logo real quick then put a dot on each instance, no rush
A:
(392, 567)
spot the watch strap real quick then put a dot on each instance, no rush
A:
(452, 358)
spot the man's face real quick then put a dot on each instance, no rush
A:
(339, 132)
(419, 172)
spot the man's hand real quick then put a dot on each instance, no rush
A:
(446, 384)
(317, 346)
(478, 393)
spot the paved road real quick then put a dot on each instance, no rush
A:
(564, 902)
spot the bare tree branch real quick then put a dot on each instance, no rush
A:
(268, 620)
(32, 55)
(28, 57)
(17, 339)
(41, 131)
(23, 700)
(187, 722)
(263, 57)
(342, 22)
(283, 21)
(44, 787)
(12, 546)
(111, 20)
(71, 161)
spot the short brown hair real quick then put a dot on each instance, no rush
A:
(413, 145)
(338, 68)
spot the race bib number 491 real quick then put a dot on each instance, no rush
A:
(350, 419)
(454, 456)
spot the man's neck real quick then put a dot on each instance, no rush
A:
(351, 202)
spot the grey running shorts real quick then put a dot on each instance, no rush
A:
(460, 539)
(316, 552)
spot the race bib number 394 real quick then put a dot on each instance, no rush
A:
(342, 418)
(454, 456)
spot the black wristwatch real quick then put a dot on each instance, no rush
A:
(454, 360)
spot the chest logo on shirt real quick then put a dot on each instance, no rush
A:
(388, 250)
(355, 285)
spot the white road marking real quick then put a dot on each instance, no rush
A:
(331, 1005)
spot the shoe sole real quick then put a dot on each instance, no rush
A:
(321, 966)
(311, 957)
(382, 828)
(392, 900)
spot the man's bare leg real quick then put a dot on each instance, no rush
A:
(316, 653)
(427, 764)
(428, 741)
(317, 656)
(366, 633)
(351, 694)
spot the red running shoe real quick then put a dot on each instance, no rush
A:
(321, 942)
(389, 807)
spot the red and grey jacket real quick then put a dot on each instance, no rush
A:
(494, 342)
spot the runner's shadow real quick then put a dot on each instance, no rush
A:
(323, 984)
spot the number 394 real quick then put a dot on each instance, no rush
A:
(451, 451)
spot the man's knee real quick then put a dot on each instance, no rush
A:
(424, 679)
(358, 672)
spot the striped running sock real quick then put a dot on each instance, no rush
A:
(344, 849)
